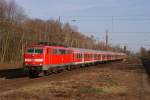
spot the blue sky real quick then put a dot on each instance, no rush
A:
(128, 26)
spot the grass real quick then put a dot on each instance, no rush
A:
(108, 81)
(115, 89)
(91, 90)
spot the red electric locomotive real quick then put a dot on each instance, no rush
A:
(43, 58)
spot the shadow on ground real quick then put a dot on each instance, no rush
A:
(11, 73)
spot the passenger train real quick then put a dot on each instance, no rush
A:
(44, 59)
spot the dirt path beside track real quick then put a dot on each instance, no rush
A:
(114, 81)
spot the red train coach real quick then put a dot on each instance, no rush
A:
(45, 59)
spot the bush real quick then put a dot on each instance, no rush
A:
(145, 57)
(145, 54)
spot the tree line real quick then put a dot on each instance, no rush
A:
(18, 30)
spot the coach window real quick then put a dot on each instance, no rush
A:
(103, 56)
(99, 55)
(108, 56)
(95, 55)
(63, 51)
(76, 55)
(80, 55)
(60, 51)
(55, 51)
(68, 51)
(85, 56)
(88, 56)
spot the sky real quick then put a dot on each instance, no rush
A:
(127, 21)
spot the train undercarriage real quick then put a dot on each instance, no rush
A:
(36, 71)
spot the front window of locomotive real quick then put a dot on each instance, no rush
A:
(35, 50)
(38, 51)
(30, 50)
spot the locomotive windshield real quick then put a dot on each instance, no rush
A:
(30, 50)
(35, 50)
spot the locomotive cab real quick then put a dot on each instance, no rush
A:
(33, 60)
(34, 56)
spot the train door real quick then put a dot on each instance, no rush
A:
(47, 56)
(74, 57)
(82, 57)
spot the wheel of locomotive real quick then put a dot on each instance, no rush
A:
(46, 73)
(25, 72)
(55, 70)
(33, 73)
(82, 65)
(87, 65)
(68, 67)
